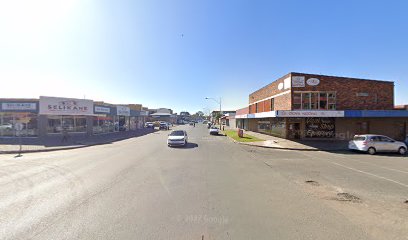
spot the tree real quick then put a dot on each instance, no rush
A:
(199, 114)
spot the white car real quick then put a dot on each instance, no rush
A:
(376, 143)
(214, 130)
(177, 138)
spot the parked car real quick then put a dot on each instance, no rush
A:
(177, 138)
(6, 126)
(214, 130)
(377, 143)
(149, 125)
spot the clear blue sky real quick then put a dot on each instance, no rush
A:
(175, 53)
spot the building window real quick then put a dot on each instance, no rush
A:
(272, 104)
(314, 101)
(306, 101)
(331, 98)
(256, 107)
(323, 100)
(297, 101)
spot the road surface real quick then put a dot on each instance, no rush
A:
(213, 189)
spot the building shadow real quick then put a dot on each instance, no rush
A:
(74, 140)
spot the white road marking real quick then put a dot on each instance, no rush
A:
(371, 174)
(363, 172)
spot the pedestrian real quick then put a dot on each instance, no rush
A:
(65, 135)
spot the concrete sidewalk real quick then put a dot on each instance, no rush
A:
(301, 145)
(12, 146)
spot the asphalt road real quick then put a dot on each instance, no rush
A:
(213, 189)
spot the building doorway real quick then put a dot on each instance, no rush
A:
(294, 131)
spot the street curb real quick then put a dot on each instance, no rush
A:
(50, 150)
(282, 148)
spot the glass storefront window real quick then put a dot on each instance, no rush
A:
(80, 124)
(103, 124)
(54, 124)
(28, 120)
(69, 123)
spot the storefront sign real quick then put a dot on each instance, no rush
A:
(99, 109)
(122, 111)
(310, 114)
(313, 81)
(320, 127)
(298, 81)
(19, 106)
(265, 114)
(65, 106)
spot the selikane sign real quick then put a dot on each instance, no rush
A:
(65, 106)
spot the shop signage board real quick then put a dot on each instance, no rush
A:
(65, 106)
(122, 111)
(313, 81)
(310, 114)
(320, 127)
(298, 81)
(19, 106)
(99, 109)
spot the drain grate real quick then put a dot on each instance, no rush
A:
(313, 183)
(347, 197)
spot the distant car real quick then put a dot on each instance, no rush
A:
(177, 138)
(205, 122)
(191, 123)
(164, 125)
(377, 143)
(214, 130)
(149, 125)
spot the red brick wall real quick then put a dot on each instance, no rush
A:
(347, 89)
(282, 102)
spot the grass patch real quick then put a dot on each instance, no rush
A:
(247, 138)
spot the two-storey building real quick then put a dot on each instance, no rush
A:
(310, 106)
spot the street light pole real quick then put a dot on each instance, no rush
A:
(219, 102)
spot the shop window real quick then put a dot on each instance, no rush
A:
(80, 124)
(256, 107)
(28, 120)
(68, 123)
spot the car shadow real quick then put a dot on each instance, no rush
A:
(381, 154)
(188, 146)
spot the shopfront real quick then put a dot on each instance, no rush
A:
(123, 118)
(103, 120)
(66, 114)
(24, 113)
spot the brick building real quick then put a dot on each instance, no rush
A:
(310, 106)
